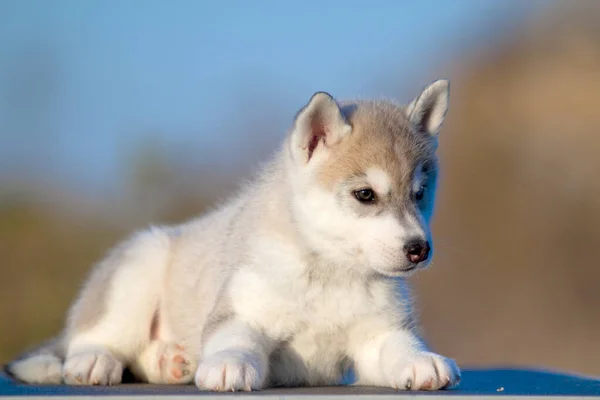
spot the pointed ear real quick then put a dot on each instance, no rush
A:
(320, 124)
(428, 110)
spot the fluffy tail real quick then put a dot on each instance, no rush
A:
(42, 365)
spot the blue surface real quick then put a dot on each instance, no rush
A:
(474, 382)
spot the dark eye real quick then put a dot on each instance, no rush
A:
(420, 193)
(365, 195)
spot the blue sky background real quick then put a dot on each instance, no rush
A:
(82, 81)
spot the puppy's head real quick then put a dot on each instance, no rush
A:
(363, 176)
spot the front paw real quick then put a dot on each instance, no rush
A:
(425, 371)
(92, 368)
(230, 370)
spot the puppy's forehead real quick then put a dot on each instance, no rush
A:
(382, 142)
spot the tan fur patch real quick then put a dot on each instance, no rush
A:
(382, 138)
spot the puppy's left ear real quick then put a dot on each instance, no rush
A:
(318, 126)
(428, 110)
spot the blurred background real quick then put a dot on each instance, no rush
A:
(115, 115)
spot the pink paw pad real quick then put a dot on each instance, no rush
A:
(176, 366)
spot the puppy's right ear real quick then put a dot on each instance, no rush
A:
(318, 127)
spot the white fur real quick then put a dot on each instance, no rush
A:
(288, 284)
(39, 368)
(92, 367)
(235, 359)
(377, 242)
(138, 286)
(380, 180)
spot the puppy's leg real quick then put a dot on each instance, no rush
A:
(110, 323)
(397, 358)
(235, 358)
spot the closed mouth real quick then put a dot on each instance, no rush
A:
(399, 271)
(407, 269)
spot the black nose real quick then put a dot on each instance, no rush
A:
(417, 250)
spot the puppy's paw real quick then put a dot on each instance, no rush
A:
(425, 371)
(92, 368)
(175, 365)
(230, 370)
(39, 369)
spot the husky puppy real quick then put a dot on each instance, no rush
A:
(298, 280)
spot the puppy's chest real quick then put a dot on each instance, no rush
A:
(286, 307)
